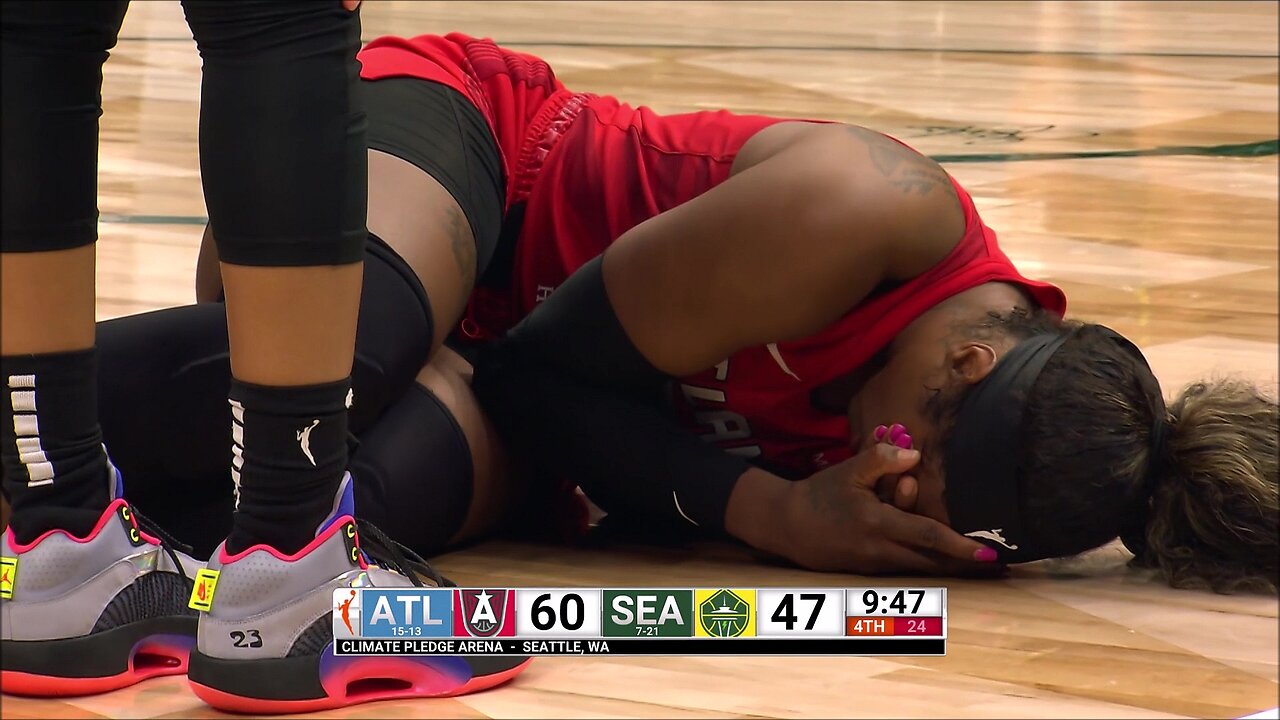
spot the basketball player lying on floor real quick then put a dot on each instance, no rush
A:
(712, 319)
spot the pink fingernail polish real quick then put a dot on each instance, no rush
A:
(894, 431)
(903, 441)
(985, 554)
(880, 432)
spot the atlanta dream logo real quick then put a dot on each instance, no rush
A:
(484, 613)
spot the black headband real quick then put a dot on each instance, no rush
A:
(981, 453)
(983, 501)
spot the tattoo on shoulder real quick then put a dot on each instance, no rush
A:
(464, 249)
(905, 169)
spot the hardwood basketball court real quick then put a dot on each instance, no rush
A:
(1126, 151)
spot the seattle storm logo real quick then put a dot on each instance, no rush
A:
(724, 615)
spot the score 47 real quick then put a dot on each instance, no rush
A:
(785, 614)
(800, 612)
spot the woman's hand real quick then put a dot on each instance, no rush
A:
(834, 521)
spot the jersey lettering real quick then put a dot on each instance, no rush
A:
(724, 425)
(722, 371)
(693, 392)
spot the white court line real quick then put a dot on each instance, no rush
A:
(1273, 713)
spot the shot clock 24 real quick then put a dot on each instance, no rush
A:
(896, 612)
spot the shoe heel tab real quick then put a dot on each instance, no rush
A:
(107, 514)
(335, 526)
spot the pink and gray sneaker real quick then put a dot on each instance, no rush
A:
(265, 643)
(88, 615)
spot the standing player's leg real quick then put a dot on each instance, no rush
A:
(282, 155)
(164, 377)
(85, 596)
(435, 213)
(428, 465)
(288, 242)
(282, 158)
(52, 79)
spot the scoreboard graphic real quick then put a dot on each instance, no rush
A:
(867, 621)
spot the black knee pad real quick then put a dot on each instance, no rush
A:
(413, 473)
(393, 336)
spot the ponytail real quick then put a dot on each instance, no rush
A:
(1212, 515)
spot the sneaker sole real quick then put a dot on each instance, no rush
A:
(273, 686)
(97, 663)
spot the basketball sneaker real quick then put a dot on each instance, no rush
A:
(265, 643)
(88, 615)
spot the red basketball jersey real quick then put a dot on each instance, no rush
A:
(588, 168)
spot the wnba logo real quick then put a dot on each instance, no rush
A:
(391, 613)
(346, 613)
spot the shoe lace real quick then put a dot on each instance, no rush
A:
(167, 541)
(376, 544)
(385, 552)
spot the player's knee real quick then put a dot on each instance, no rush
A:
(447, 378)
(413, 472)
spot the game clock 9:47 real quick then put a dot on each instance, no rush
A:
(896, 602)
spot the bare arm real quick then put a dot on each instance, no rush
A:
(800, 234)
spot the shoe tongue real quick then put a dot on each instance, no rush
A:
(344, 504)
(115, 482)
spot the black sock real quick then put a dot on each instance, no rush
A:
(289, 448)
(55, 470)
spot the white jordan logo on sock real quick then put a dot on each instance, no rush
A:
(304, 440)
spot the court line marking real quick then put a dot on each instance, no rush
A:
(1260, 148)
(819, 48)
(1254, 149)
